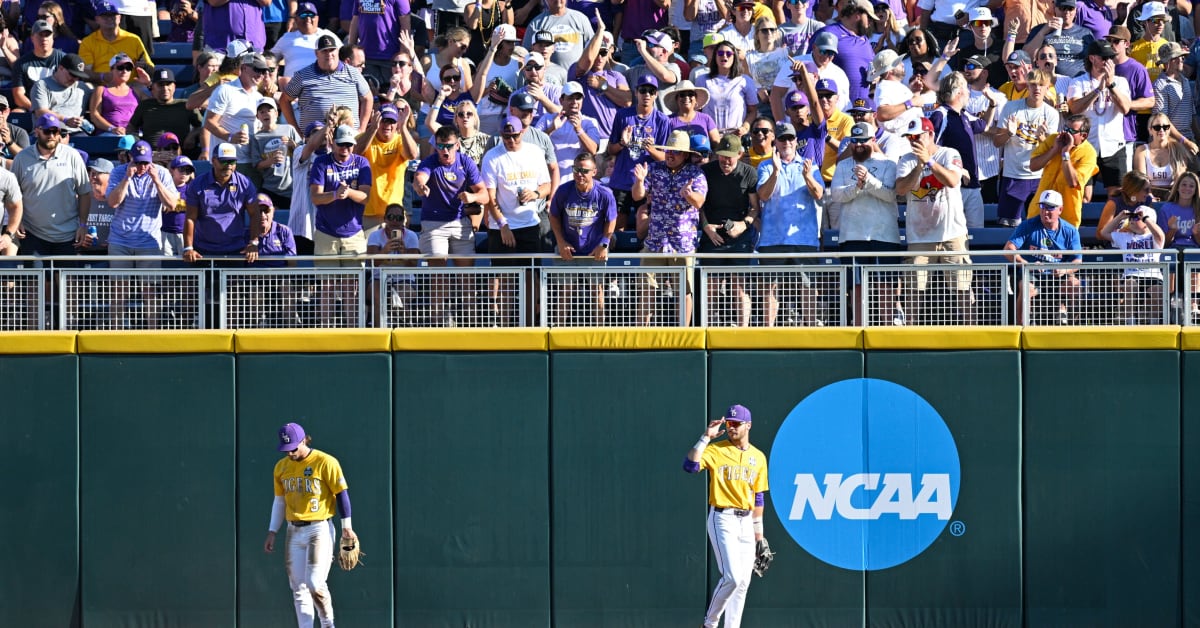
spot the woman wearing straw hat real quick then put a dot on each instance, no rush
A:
(684, 101)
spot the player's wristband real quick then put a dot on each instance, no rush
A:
(701, 444)
(346, 524)
(758, 525)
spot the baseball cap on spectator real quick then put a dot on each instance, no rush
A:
(315, 125)
(512, 124)
(522, 100)
(862, 130)
(827, 86)
(825, 41)
(795, 99)
(572, 88)
(712, 39)
(264, 201)
(864, 104)
(784, 129)
(49, 121)
(126, 143)
(345, 135)
(142, 153)
(729, 146)
(1151, 10)
(1148, 214)
(647, 79)
(507, 32)
(1018, 57)
(182, 161)
(389, 112)
(737, 412)
(1102, 48)
(862, 5)
(662, 40)
(325, 42)
(164, 75)
(700, 144)
(543, 37)
(166, 139)
(918, 126)
(1051, 197)
(254, 60)
(42, 26)
(106, 8)
(74, 65)
(237, 48)
(606, 40)
(306, 9)
(1065, 4)
(885, 61)
(118, 59)
(534, 58)
(4, 100)
(101, 165)
(268, 101)
(744, 3)
(1119, 33)
(290, 437)
(1170, 51)
(226, 152)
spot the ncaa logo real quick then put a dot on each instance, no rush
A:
(865, 473)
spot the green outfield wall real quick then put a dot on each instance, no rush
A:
(534, 477)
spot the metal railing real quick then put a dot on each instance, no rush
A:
(790, 290)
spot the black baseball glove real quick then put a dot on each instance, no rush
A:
(763, 557)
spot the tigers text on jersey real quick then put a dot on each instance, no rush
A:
(734, 476)
(309, 486)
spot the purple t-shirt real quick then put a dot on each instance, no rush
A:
(1097, 18)
(1139, 87)
(656, 127)
(584, 215)
(640, 16)
(378, 23)
(810, 143)
(1187, 220)
(220, 220)
(595, 103)
(853, 57)
(172, 222)
(238, 19)
(341, 218)
(277, 241)
(702, 123)
(445, 182)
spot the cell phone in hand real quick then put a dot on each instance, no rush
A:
(395, 234)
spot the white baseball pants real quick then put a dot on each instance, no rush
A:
(732, 540)
(310, 552)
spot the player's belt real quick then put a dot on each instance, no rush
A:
(737, 512)
(301, 524)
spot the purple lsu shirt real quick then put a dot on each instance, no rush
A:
(445, 182)
(341, 218)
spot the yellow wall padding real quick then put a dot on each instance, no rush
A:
(650, 338)
(942, 338)
(151, 341)
(785, 338)
(507, 339)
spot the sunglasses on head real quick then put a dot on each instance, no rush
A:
(1161, 127)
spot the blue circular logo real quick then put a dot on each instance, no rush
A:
(864, 474)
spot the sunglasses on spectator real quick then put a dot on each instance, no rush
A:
(724, 54)
(451, 78)
(786, 139)
(917, 72)
(1074, 131)
(685, 95)
(186, 170)
(603, 52)
(3, 108)
(400, 63)
(51, 132)
(1158, 22)
(124, 67)
(672, 153)
(767, 30)
(1046, 57)
(227, 162)
(394, 217)
(532, 67)
(914, 137)
(271, 69)
(1047, 208)
(761, 131)
(860, 140)
(1161, 127)
(647, 90)
(967, 66)
(465, 114)
(510, 136)
(981, 23)
(346, 145)
(446, 146)
(828, 52)
(582, 170)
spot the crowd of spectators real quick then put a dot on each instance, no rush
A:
(718, 126)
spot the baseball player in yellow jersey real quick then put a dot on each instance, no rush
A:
(737, 480)
(307, 484)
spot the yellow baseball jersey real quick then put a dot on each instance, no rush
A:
(97, 51)
(1146, 53)
(388, 166)
(309, 486)
(734, 476)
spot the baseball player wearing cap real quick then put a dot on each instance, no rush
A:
(737, 485)
(308, 482)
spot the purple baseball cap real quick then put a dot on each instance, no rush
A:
(182, 161)
(290, 436)
(142, 153)
(166, 139)
(313, 126)
(736, 412)
(49, 121)
(106, 8)
(389, 112)
(512, 124)
(864, 104)
(647, 79)
(826, 85)
(306, 8)
(795, 99)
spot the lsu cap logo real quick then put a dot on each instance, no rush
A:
(866, 474)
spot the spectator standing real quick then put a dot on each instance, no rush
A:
(495, 78)
(163, 113)
(40, 62)
(13, 139)
(1104, 98)
(54, 188)
(1020, 127)
(533, 77)
(1137, 229)
(387, 146)
(232, 108)
(1173, 94)
(984, 102)
(227, 20)
(636, 134)
(824, 50)
(326, 84)
(339, 185)
(684, 101)
(98, 48)
(1070, 39)
(798, 29)
(897, 105)
(217, 203)
(892, 145)
(571, 132)
(740, 30)
(640, 16)
(732, 95)
(63, 94)
(374, 27)
(957, 129)
(930, 178)
(11, 210)
(1068, 162)
(298, 48)
(1141, 92)
(471, 141)
(605, 91)
(517, 181)
(854, 51)
(183, 171)
(762, 141)
(139, 16)
(571, 29)
(1154, 19)
(543, 44)
(1162, 159)
(302, 219)
(655, 52)
(941, 17)
(451, 94)
(837, 124)
(449, 181)
(583, 216)
(673, 190)
(271, 146)
(727, 218)
(137, 192)
(790, 188)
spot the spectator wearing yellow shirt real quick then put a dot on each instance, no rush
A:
(388, 145)
(99, 48)
(1154, 20)
(1068, 163)
(837, 123)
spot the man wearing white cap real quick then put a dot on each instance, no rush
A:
(898, 106)
(495, 79)
(271, 147)
(570, 130)
(1154, 19)
(533, 82)
(233, 106)
(1046, 233)
(655, 50)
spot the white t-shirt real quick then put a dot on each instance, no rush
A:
(727, 99)
(465, 65)
(831, 72)
(1108, 124)
(506, 172)
(1019, 148)
(732, 35)
(236, 107)
(935, 211)
(1127, 241)
(298, 50)
(896, 93)
(566, 141)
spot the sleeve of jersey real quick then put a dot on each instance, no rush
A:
(278, 483)
(760, 482)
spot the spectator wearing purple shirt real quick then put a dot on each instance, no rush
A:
(583, 215)
(1095, 16)
(173, 218)
(234, 19)
(854, 51)
(605, 90)
(637, 133)
(1141, 91)
(276, 239)
(640, 16)
(216, 205)
(684, 101)
(669, 221)
(374, 27)
(448, 181)
(339, 183)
